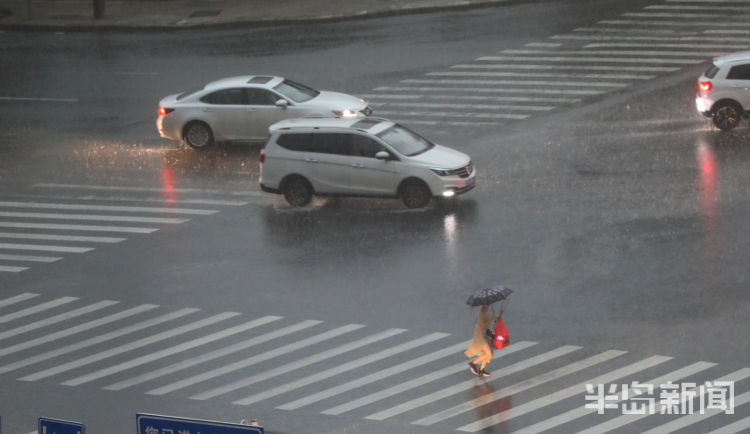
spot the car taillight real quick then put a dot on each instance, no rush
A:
(705, 86)
(262, 157)
(163, 110)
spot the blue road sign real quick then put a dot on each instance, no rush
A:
(156, 424)
(56, 426)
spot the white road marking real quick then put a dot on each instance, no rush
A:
(167, 352)
(582, 411)
(542, 44)
(163, 199)
(742, 425)
(255, 359)
(342, 349)
(85, 239)
(728, 31)
(380, 96)
(486, 90)
(29, 258)
(679, 15)
(470, 106)
(639, 30)
(83, 361)
(93, 217)
(518, 82)
(626, 419)
(45, 248)
(518, 387)
(147, 189)
(192, 361)
(488, 98)
(56, 319)
(702, 39)
(18, 98)
(344, 367)
(698, 8)
(652, 45)
(92, 228)
(36, 309)
(12, 269)
(17, 298)
(75, 329)
(542, 75)
(583, 59)
(419, 381)
(690, 53)
(568, 67)
(96, 340)
(162, 210)
(376, 376)
(396, 113)
(674, 23)
(562, 394)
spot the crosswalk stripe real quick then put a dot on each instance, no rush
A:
(562, 394)
(706, 24)
(704, 39)
(700, 54)
(176, 349)
(56, 318)
(147, 189)
(376, 376)
(39, 205)
(46, 237)
(192, 361)
(255, 359)
(587, 59)
(517, 82)
(397, 113)
(742, 425)
(698, 8)
(36, 309)
(695, 418)
(705, 1)
(618, 68)
(12, 269)
(93, 217)
(678, 15)
(162, 199)
(486, 90)
(91, 228)
(468, 106)
(727, 31)
(541, 75)
(647, 45)
(633, 30)
(579, 412)
(548, 99)
(28, 258)
(73, 330)
(45, 248)
(344, 367)
(419, 381)
(96, 340)
(17, 298)
(518, 387)
(128, 347)
(626, 419)
(238, 384)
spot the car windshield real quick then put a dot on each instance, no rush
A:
(405, 141)
(295, 91)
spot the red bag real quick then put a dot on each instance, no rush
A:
(501, 338)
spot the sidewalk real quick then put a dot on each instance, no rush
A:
(175, 14)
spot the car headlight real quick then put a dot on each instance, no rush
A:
(347, 113)
(441, 172)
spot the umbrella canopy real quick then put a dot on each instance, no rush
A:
(488, 296)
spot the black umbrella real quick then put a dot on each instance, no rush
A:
(488, 296)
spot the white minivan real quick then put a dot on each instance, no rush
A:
(359, 157)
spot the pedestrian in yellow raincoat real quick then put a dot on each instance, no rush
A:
(480, 347)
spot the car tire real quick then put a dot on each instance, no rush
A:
(415, 194)
(726, 115)
(198, 135)
(297, 191)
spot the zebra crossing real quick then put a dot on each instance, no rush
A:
(590, 62)
(335, 369)
(54, 220)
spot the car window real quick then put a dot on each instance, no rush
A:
(363, 146)
(295, 91)
(296, 141)
(188, 93)
(405, 141)
(711, 71)
(739, 72)
(234, 96)
(261, 97)
(332, 143)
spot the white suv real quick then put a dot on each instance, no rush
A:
(359, 157)
(724, 90)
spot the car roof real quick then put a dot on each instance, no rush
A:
(732, 58)
(372, 125)
(266, 81)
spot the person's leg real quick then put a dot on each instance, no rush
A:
(483, 360)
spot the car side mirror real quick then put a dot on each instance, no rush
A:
(382, 155)
(282, 103)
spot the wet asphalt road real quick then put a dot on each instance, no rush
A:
(619, 221)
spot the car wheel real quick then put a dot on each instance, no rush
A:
(297, 191)
(727, 115)
(198, 135)
(415, 194)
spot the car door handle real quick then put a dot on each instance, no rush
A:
(358, 166)
(206, 109)
(311, 160)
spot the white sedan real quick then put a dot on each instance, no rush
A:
(242, 109)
